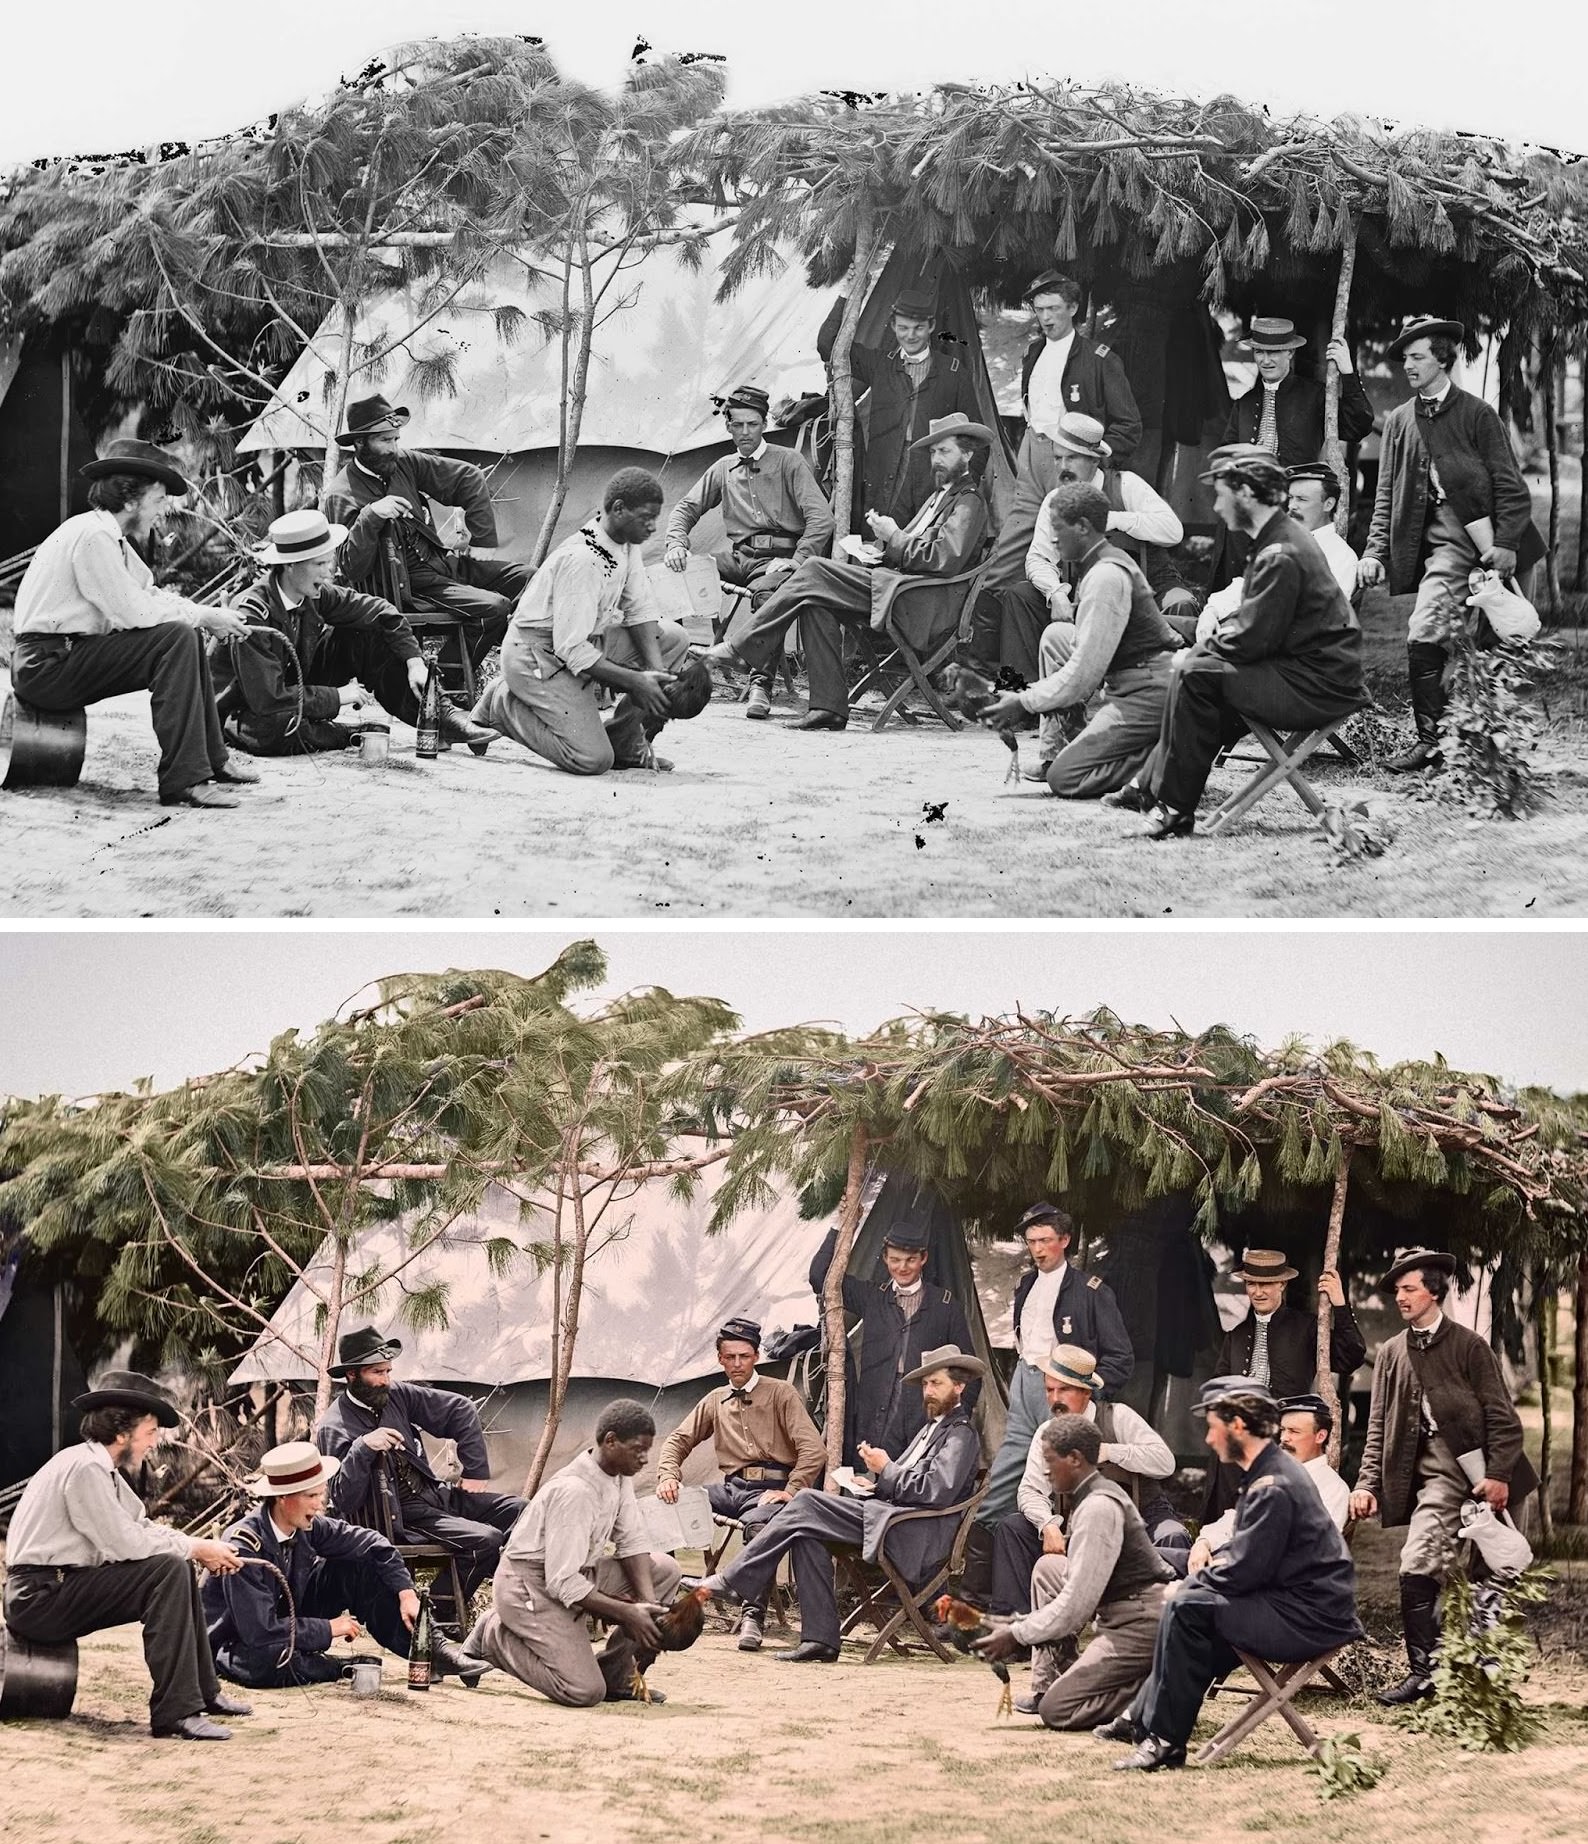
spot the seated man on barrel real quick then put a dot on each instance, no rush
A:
(311, 647)
(82, 1554)
(90, 624)
(312, 1580)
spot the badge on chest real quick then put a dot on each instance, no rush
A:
(1066, 1327)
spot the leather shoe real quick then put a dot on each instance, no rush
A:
(1129, 799)
(1036, 771)
(652, 1695)
(222, 1705)
(458, 727)
(451, 1660)
(808, 1653)
(1412, 1689)
(822, 720)
(235, 774)
(194, 1729)
(758, 705)
(750, 1633)
(1149, 1755)
(1026, 1706)
(200, 795)
(1120, 1728)
(1166, 823)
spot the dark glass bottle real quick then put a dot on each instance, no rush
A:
(421, 1646)
(428, 742)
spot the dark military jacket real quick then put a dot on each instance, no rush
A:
(1095, 385)
(409, 1408)
(1298, 416)
(1293, 1349)
(943, 1473)
(1087, 1314)
(418, 477)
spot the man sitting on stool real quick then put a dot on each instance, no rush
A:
(82, 1555)
(765, 1442)
(934, 1471)
(340, 1579)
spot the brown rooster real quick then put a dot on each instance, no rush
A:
(680, 1626)
(958, 1624)
(970, 692)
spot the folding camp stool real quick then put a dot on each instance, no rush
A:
(734, 596)
(1276, 1686)
(1286, 751)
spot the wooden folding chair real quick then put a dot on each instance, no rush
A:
(893, 1604)
(1287, 751)
(734, 596)
(903, 665)
(376, 1514)
(1276, 1685)
(779, 1600)
(389, 580)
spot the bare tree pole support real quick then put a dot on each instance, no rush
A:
(1544, 1307)
(1333, 447)
(1547, 401)
(833, 1294)
(1331, 1259)
(844, 383)
(548, 1432)
(1577, 1491)
(1580, 582)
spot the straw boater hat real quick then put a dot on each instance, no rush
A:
(369, 416)
(300, 537)
(141, 459)
(1264, 1265)
(299, 1466)
(946, 1357)
(130, 1389)
(1082, 435)
(1428, 1261)
(1271, 334)
(955, 423)
(1243, 458)
(365, 1346)
(1072, 1364)
(1423, 326)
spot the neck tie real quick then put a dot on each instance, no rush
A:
(1421, 1337)
(1268, 427)
(1429, 406)
(745, 467)
(738, 1395)
(1259, 1371)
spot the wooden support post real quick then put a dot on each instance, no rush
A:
(1331, 1259)
(1544, 1308)
(843, 379)
(1333, 447)
(65, 446)
(833, 1293)
(1577, 1491)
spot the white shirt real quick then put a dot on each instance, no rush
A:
(77, 1511)
(567, 1525)
(586, 586)
(85, 578)
(1034, 1334)
(1137, 1448)
(1045, 393)
(1326, 1482)
(1145, 517)
(1342, 561)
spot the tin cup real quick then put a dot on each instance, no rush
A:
(364, 1675)
(374, 744)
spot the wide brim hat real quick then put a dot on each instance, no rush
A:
(1271, 334)
(1217, 1388)
(296, 1466)
(1264, 1265)
(1078, 434)
(945, 1357)
(141, 459)
(130, 1389)
(365, 1346)
(1072, 1364)
(955, 423)
(1424, 1259)
(1424, 326)
(1243, 458)
(369, 416)
(300, 537)
(744, 397)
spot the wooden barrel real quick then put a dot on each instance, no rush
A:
(36, 1680)
(40, 749)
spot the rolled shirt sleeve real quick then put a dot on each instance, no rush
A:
(571, 1542)
(1034, 1494)
(575, 610)
(1145, 517)
(1042, 554)
(628, 1533)
(1140, 1448)
(1097, 1534)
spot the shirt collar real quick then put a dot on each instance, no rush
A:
(368, 472)
(289, 603)
(281, 1536)
(761, 450)
(1437, 396)
(906, 1292)
(1426, 1332)
(596, 533)
(747, 1388)
(102, 1454)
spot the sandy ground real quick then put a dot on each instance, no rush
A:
(848, 1754)
(756, 821)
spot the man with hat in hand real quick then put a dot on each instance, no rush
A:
(943, 539)
(311, 647)
(1442, 1429)
(82, 1554)
(1290, 655)
(1450, 498)
(90, 624)
(935, 1471)
(1284, 1589)
(372, 1429)
(383, 493)
(765, 1443)
(922, 379)
(1055, 1303)
(774, 513)
(273, 1627)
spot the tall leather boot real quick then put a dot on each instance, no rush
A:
(1425, 671)
(1420, 1618)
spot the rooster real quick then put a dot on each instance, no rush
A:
(959, 1624)
(970, 692)
(680, 1626)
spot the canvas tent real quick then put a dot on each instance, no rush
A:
(656, 1291)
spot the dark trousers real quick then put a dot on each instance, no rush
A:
(334, 1588)
(348, 653)
(161, 1593)
(473, 1525)
(744, 570)
(62, 672)
(1006, 627)
(1188, 1656)
(802, 1531)
(1210, 700)
(741, 1499)
(482, 592)
(1017, 1547)
(819, 595)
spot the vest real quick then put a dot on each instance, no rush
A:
(1146, 633)
(1139, 1566)
(1129, 1483)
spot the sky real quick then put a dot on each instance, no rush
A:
(101, 75)
(86, 1011)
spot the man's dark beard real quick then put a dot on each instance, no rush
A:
(381, 465)
(944, 476)
(375, 1399)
